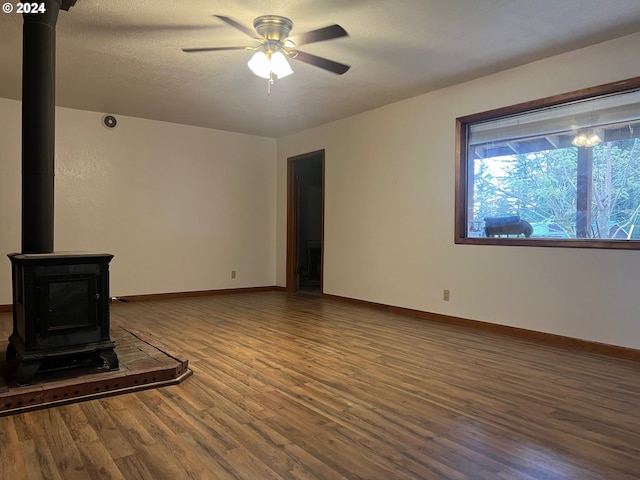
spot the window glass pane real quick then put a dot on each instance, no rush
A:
(564, 172)
(561, 119)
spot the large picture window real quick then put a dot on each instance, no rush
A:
(562, 171)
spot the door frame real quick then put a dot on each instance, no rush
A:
(293, 221)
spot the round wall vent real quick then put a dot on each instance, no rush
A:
(109, 121)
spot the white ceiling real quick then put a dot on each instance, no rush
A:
(124, 56)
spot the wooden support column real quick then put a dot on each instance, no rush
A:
(584, 192)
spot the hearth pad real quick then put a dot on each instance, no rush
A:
(144, 363)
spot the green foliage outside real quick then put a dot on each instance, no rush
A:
(541, 187)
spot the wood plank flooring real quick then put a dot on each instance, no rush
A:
(299, 387)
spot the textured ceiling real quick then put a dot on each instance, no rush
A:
(124, 57)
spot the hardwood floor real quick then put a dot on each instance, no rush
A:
(297, 387)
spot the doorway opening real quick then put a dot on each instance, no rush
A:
(305, 222)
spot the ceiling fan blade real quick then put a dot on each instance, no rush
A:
(324, 63)
(211, 49)
(319, 35)
(239, 26)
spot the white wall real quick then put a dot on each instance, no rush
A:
(178, 206)
(389, 213)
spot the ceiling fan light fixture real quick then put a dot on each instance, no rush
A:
(274, 46)
(265, 64)
(260, 65)
(589, 138)
(279, 65)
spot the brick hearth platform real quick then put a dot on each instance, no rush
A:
(144, 363)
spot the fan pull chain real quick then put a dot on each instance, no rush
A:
(269, 83)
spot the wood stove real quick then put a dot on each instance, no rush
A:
(60, 300)
(60, 312)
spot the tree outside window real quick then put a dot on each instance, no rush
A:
(553, 173)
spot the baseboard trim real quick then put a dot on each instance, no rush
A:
(196, 293)
(200, 293)
(522, 333)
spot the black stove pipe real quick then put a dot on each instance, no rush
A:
(38, 126)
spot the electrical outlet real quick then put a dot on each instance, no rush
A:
(233, 274)
(446, 294)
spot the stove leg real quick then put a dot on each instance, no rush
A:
(11, 352)
(26, 371)
(111, 358)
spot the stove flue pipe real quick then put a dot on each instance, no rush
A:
(38, 126)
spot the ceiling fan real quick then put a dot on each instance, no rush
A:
(275, 45)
